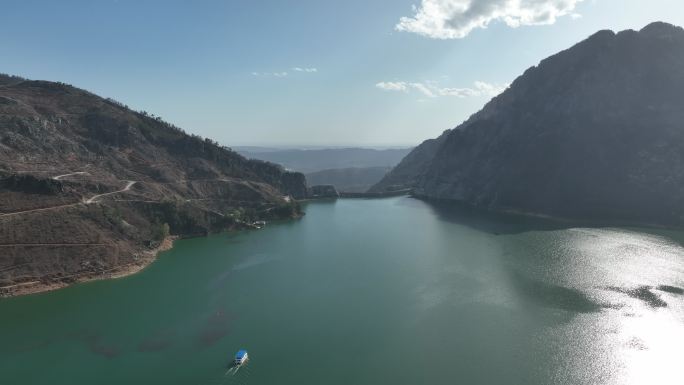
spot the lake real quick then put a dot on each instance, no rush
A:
(378, 291)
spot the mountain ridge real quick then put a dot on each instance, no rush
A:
(313, 160)
(90, 187)
(592, 132)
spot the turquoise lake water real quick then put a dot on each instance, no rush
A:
(379, 291)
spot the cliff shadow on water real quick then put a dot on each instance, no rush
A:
(531, 271)
(495, 222)
(508, 223)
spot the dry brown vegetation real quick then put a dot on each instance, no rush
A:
(90, 188)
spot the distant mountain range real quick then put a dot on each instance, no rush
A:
(312, 160)
(593, 132)
(90, 188)
(354, 179)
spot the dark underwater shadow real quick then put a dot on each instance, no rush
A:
(551, 295)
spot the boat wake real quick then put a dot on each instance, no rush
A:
(233, 370)
(237, 374)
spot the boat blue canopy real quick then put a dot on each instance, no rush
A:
(241, 353)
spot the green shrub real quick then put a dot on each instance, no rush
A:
(160, 231)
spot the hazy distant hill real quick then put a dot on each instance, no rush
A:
(412, 166)
(596, 131)
(311, 160)
(88, 186)
(355, 179)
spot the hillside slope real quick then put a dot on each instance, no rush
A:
(89, 187)
(593, 132)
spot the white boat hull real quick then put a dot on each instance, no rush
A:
(241, 360)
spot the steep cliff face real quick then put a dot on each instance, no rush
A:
(89, 186)
(594, 132)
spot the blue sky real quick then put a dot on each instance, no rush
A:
(258, 72)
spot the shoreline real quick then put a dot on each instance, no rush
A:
(145, 259)
(386, 194)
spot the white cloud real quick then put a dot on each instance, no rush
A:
(282, 74)
(392, 86)
(433, 90)
(424, 89)
(455, 19)
(271, 74)
(304, 69)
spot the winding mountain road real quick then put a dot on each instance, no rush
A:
(94, 198)
(58, 177)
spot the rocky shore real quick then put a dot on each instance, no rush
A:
(142, 260)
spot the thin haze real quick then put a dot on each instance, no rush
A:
(390, 72)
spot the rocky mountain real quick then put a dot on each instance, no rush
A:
(90, 188)
(593, 132)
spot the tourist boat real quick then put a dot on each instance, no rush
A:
(240, 357)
